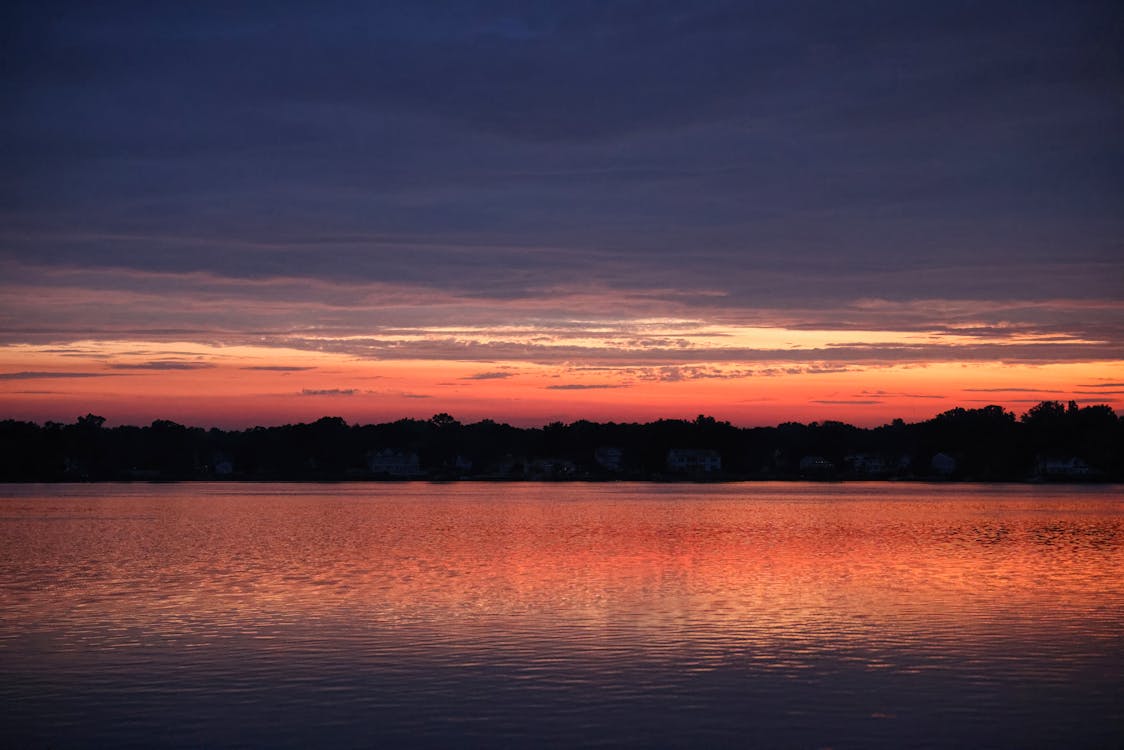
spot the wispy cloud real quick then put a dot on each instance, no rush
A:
(1007, 390)
(329, 392)
(583, 387)
(1009, 401)
(162, 365)
(489, 376)
(277, 368)
(845, 401)
(26, 375)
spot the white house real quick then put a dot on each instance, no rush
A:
(608, 457)
(866, 465)
(943, 464)
(693, 460)
(394, 463)
(816, 465)
(1070, 468)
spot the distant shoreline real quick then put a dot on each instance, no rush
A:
(578, 480)
(1050, 443)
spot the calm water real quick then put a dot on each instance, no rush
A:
(528, 614)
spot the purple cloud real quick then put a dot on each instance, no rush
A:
(49, 375)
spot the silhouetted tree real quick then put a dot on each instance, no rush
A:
(988, 444)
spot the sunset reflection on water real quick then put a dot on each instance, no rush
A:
(754, 604)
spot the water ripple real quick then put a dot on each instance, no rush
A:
(483, 615)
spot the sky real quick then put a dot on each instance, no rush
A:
(229, 214)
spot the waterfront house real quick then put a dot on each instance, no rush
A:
(394, 463)
(693, 460)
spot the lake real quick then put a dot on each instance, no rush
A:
(483, 615)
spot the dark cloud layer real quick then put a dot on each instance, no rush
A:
(747, 156)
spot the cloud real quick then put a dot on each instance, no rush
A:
(277, 368)
(652, 326)
(546, 349)
(897, 394)
(845, 401)
(582, 387)
(676, 373)
(48, 375)
(427, 171)
(1008, 400)
(1007, 390)
(489, 376)
(163, 365)
(501, 157)
(329, 392)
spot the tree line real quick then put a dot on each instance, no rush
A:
(1051, 441)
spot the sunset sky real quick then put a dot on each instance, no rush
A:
(237, 213)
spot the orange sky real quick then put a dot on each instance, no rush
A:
(135, 381)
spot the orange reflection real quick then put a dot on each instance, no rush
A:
(749, 564)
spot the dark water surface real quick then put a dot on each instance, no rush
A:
(461, 615)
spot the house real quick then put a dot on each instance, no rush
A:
(508, 467)
(551, 468)
(221, 466)
(865, 465)
(816, 466)
(608, 457)
(693, 460)
(943, 464)
(394, 463)
(1070, 468)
